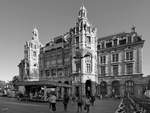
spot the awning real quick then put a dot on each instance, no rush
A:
(42, 83)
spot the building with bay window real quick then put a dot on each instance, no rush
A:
(81, 63)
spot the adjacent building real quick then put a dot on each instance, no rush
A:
(120, 63)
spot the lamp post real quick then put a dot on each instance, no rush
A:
(79, 71)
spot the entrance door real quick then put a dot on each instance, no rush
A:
(88, 88)
(115, 88)
(103, 88)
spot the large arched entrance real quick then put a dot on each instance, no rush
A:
(88, 88)
(115, 88)
(103, 88)
(129, 87)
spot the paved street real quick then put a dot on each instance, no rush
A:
(11, 105)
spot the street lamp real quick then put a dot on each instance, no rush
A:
(79, 71)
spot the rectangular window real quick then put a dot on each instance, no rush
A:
(47, 73)
(122, 41)
(115, 57)
(129, 68)
(103, 45)
(115, 70)
(129, 55)
(77, 40)
(103, 70)
(89, 68)
(88, 39)
(115, 42)
(103, 59)
(109, 44)
(129, 39)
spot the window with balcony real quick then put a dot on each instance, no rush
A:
(115, 57)
(129, 68)
(129, 55)
(103, 59)
(115, 70)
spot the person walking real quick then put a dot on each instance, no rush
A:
(92, 100)
(65, 101)
(87, 104)
(49, 100)
(79, 103)
(53, 102)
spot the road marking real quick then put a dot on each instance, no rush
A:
(24, 104)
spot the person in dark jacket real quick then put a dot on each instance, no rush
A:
(79, 103)
(65, 101)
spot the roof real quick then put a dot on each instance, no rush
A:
(111, 36)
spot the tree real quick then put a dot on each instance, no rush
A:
(14, 81)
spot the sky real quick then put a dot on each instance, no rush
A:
(56, 17)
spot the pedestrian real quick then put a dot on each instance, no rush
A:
(53, 102)
(49, 100)
(92, 100)
(87, 104)
(73, 99)
(79, 103)
(65, 101)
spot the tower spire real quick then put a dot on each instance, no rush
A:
(83, 11)
(82, 2)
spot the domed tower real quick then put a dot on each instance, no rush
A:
(84, 50)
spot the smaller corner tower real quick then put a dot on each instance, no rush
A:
(31, 57)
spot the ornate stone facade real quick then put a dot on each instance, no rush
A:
(107, 66)
(63, 58)
(29, 66)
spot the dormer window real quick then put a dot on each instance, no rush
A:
(129, 39)
(115, 42)
(122, 41)
(109, 44)
(103, 45)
